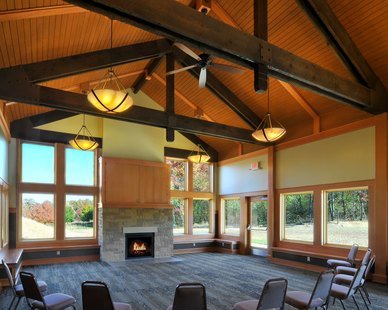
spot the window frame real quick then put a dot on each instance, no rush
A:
(324, 210)
(282, 219)
(60, 190)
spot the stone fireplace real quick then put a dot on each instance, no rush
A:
(121, 228)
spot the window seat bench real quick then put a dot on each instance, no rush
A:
(205, 245)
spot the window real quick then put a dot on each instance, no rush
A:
(178, 215)
(201, 177)
(57, 193)
(259, 226)
(201, 216)
(178, 174)
(298, 216)
(231, 216)
(79, 216)
(346, 214)
(191, 201)
(37, 163)
(38, 214)
(79, 167)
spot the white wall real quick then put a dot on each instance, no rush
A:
(236, 177)
(343, 158)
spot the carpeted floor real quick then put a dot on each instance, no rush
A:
(150, 285)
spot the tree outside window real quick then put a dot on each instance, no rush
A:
(232, 216)
(178, 174)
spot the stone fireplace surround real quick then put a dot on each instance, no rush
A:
(115, 222)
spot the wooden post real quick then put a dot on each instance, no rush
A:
(170, 88)
(260, 28)
(271, 201)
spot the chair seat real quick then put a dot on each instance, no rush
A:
(246, 305)
(56, 301)
(346, 270)
(121, 306)
(333, 263)
(300, 300)
(20, 292)
(343, 279)
(339, 291)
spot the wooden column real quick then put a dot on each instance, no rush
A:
(190, 200)
(60, 192)
(260, 28)
(272, 227)
(170, 88)
(380, 235)
(318, 237)
(244, 246)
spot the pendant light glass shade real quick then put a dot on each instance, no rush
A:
(84, 140)
(269, 130)
(109, 95)
(199, 156)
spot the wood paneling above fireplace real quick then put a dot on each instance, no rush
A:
(128, 183)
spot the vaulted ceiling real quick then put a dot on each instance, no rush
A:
(37, 30)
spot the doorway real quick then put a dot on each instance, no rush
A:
(258, 226)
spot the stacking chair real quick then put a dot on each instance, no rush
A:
(318, 298)
(346, 279)
(95, 295)
(56, 301)
(272, 297)
(17, 289)
(189, 296)
(352, 271)
(349, 262)
(342, 292)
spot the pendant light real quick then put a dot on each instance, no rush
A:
(199, 156)
(269, 130)
(109, 95)
(84, 140)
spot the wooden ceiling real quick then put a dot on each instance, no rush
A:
(37, 30)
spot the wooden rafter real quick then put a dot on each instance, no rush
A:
(146, 74)
(224, 41)
(170, 94)
(305, 105)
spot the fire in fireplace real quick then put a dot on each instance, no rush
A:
(139, 245)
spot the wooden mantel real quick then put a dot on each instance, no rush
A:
(129, 183)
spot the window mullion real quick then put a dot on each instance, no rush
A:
(60, 191)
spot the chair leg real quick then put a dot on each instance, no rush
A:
(363, 299)
(355, 301)
(333, 301)
(366, 293)
(17, 304)
(342, 303)
(11, 303)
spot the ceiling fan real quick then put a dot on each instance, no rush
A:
(204, 61)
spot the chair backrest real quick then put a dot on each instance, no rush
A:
(356, 281)
(273, 294)
(190, 296)
(369, 266)
(95, 295)
(366, 257)
(30, 287)
(9, 276)
(352, 253)
(322, 287)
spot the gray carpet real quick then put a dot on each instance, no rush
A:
(150, 285)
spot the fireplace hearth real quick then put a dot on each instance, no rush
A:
(138, 245)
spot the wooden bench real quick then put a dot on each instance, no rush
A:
(205, 245)
(13, 257)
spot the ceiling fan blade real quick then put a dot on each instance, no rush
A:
(181, 70)
(227, 68)
(186, 50)
(202, 78)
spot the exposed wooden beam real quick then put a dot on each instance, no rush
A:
(15, 87)
(170, 94)
(221, 91)
(222, 40)
(40, 12)
(183, 98)
(3, 122)
(71, 65)
(146, 74)
(260, 30)
(305, 105)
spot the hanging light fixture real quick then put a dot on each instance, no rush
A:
(109, 95)
(199, 156)
(269, 130)
(84, 140)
